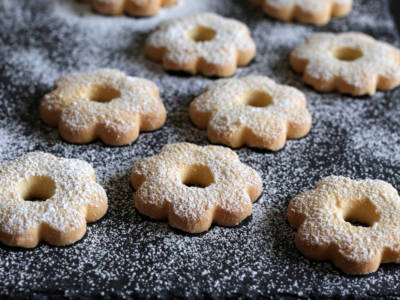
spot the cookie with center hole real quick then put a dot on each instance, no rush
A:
(45, 198)
(253, 111)
(353, 223)
(350, 63)
(317, 12)
(193, 186)
(105, 104)
(136, 8)
(205, 43)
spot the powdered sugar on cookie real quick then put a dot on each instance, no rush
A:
(253, 110)
(104, 103)
(206, 43)
(71, 194)
(351, 63)
(224, 191)
(256, 258)
(323, 217)
(307, 5)
(131, 7)
(317, 12)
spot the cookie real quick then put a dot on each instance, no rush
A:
(194, 186)
(103, 104)
(317, 12)
(351, 63)
(252, 111)
(137, 8)
(45, 198)
(205, 43)
(356, 224)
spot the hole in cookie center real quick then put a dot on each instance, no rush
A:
(197, 176)
(202, 33)
(37, 188)
(346, 53)
(258, 99)
(361, 213)
(102, 94)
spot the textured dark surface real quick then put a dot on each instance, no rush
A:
(395, 10)
(126, 254)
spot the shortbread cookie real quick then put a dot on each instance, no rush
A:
(356, 224)
(351, 63)
(204, 43)
(194, 186)
(103, 104)
(253, 111)
(137, 8)
(45, 198)
(318, 12)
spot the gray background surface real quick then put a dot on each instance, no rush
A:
(126, 254)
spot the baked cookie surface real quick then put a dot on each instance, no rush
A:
(356, 224)
(45, 198)
(137, 8)
(318, 12)
(204, 43)
(105, 104)
(194, 186)
(252, 111)
(352, 63)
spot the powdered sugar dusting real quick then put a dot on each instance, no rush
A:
(224, 104)
(137, 99)
(320, 215)
(125, 254)
(74, 189)
(163, 186)
(231, 36)
(131, 7)
(307, 5)
(377, 61)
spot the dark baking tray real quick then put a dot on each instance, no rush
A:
(127, 255)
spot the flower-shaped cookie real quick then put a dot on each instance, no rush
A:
(253, 111)
(204, 43)
(352, 63)
(43, 197)
(317, 12)
(103, 104)
(194, 186)
(138, 8)
(356, 224)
